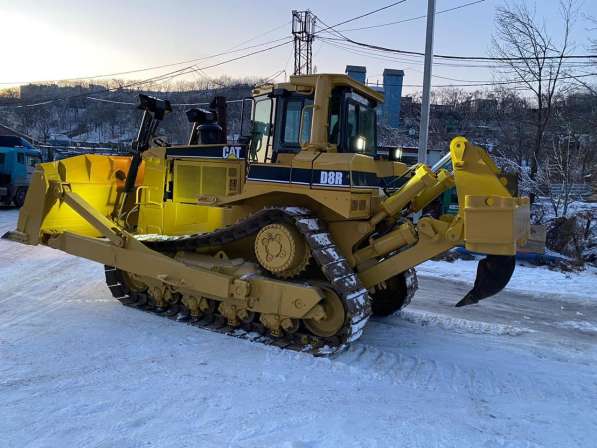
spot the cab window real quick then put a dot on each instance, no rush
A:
(292, 122)
(296, 109)
(21, 158)
(351, 121)
(334, 129)
(367, 126)
(335, 107)
(2, 158)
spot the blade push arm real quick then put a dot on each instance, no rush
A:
(111, 245)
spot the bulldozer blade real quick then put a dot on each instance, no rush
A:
(493, 274)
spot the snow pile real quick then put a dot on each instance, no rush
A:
(573, 235)
(526, 279)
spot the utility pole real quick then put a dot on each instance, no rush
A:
(425, 106)
(303, 27)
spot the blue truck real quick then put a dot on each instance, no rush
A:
(17, 162)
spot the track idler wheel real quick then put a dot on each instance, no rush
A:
(332, 319)
(493, 274)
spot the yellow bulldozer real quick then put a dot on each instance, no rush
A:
(294, 235)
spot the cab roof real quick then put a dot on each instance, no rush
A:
(306, 83)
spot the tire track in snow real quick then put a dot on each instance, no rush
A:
(431, 374)
(434, 375)
(459, 325)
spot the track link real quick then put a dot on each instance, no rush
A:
(337, 271)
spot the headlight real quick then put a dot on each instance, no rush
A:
(360, 143)
(397, 154)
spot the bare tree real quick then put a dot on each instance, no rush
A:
(43, 123)
(592, 47)
(513, 131)
(534, 58)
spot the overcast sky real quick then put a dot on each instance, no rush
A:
(56, 39)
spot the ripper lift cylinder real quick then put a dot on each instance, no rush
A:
(445, 181)
(423, 178)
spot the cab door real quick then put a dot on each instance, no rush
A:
(262, 133)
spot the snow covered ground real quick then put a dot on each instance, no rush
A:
(527, 279)
(78, 369)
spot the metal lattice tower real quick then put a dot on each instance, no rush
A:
(303, 27)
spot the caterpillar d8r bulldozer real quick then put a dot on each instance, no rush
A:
(293, 236)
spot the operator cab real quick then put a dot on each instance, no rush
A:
(283, 119)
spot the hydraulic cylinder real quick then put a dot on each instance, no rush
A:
(423, 178)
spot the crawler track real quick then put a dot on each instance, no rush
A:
(334, 267)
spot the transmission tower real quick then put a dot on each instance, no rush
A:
(303, 27)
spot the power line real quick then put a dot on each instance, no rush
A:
(155, 67)
(481, 84)
(413, 18)
(419, 71)
(467, 82)
(265, 33)
(385, 56)
(186, 70)
(288, 60)
(129, 103)
(361, 16)
(160, 78)
(406, 63)
(271, 78)
(465, 58)
(103, 100)
(443, 56)
(205, 103)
